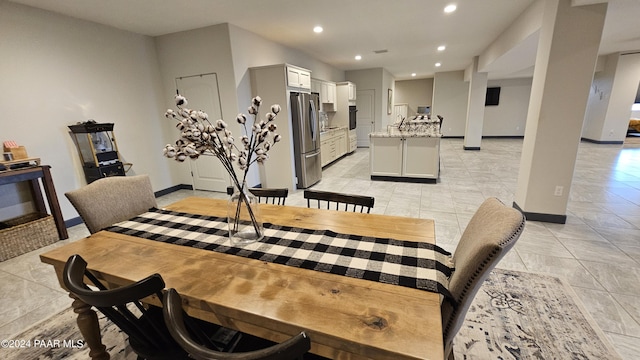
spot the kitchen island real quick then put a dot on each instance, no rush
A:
(409, 152)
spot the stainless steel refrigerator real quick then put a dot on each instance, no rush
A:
(306, 138)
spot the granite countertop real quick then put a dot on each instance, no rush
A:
(403, 134)
(330, 130)
(423, 129)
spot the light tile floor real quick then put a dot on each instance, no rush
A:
(597, 250)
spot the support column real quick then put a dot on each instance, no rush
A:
(565, 63)
(475, 107)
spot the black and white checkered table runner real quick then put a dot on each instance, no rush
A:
(406, 263)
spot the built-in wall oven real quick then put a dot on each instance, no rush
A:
(352, 117)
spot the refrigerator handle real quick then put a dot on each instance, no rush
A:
(312, 119)
(299, 104)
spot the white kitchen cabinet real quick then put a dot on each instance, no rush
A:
(316, 87)
(353, 142)
(341, 143)
(328, 96)
(328, 93)
(352, 91)
(348, 90)
(399, 157)
(386, 156)
(333, 145)
(421, 157)
(298, 78)
(327, 151)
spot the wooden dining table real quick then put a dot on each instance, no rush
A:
(345, 317)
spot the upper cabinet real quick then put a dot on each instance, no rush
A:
(350, 90)
(316, 87)
(328, 93)
(298, 77)
(328, 96)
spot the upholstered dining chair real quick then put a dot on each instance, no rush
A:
(491, 233)
(292, 349)
(276, 196)
(109, 200)
(339, 199)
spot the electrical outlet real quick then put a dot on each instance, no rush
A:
(558, 191)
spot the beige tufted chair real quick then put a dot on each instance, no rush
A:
(492, 231)
(109, 200)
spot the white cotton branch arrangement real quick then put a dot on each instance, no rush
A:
(199, 136)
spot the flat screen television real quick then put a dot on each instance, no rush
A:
(493, 96)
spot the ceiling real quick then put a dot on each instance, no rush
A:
(409, 30)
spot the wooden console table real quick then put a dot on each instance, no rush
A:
(32, 175)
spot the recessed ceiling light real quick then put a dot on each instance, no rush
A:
(358, 57)
(441, 48)
(450, 8)
(438, 64)
(318, 29)
(413, 74)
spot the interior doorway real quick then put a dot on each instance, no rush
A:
(365, 121)
(202, 93)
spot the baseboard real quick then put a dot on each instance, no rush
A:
(404, 179)
(550, 218)
(488, 137)
(471, 147)
(602, 142)
(503, 136)
(73, 222)
(173, 189)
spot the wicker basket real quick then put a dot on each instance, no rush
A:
(27, 233)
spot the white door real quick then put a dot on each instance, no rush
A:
(365, 117)
(202, 93)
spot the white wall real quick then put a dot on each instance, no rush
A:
(388, 82)
(214, 56)
(598, 102)
(250, 50)
(229, 51)
(612, 93)
(57, 71)
(623, 94)
(450, 98)
(379, 80)
(509, 117)
(415, 93)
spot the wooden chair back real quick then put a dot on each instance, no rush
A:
(291, 349)
(110, 200)
(148, 335)
(491, 233)
(276, 196)
(347, 201)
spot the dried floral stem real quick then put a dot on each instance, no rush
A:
(200, 137)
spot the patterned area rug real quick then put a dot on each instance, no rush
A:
(518, 315)
(515, 315)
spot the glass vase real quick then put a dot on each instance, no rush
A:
(243, 217)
